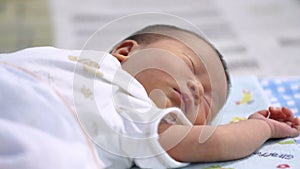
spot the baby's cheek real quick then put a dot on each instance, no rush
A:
(159, 98)
(201, 119)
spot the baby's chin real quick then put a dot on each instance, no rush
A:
(205, 113)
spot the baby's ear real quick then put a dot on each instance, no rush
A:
(123, 50)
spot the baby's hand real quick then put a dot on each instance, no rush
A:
(282, 121)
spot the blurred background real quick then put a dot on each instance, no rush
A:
(256, 37)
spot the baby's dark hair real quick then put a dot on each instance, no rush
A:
(150, 34)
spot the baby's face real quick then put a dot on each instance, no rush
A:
(174, 76)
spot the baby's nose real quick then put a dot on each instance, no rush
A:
(196, 89)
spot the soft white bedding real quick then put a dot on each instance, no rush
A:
(38, 136)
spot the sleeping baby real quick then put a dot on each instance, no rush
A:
(147, 103)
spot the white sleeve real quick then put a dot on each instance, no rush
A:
(160, 158)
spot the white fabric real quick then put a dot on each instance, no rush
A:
(37, 130)
(111, 105)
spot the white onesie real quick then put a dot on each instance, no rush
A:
(112, 107)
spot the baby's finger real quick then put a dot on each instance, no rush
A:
(275, 110)
(289, 114)
(296, 122)
(276, 113)
(297, 128)
(295, 132)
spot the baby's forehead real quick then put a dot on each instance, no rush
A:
(198, 44)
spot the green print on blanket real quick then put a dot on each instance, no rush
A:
(216, 167)
(290, 141)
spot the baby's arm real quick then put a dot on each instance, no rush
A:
(231, 141)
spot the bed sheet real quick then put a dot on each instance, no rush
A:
(248, 94)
